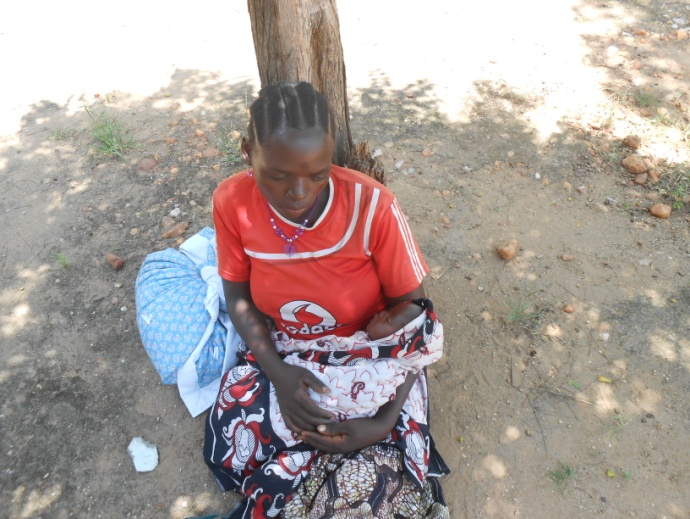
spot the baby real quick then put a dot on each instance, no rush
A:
(363, 371)
(389, 321)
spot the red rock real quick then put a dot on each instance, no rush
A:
(640, 179)
(426, 152)
(199, 133)
(681, 35)
(567, 257)
(632, 141)
(508, 250)
(115, 261)
(661, 210)
(653, 176)
(634, 164)
(177, 230)
(170, 140)
(210, 153)
(569, 309)
(147, 164)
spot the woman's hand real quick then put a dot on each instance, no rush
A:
(348, 436)
(358, 433)
(300, 412)
(291, 382)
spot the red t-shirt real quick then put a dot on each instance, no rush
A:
(359, 252)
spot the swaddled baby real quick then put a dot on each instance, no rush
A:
(363, 371)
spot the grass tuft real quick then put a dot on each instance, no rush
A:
(562, 476)
(524, 312)
(646, 99)
(62, 261)
(675, 185)
(61, 134)
(111, 139)
(229, 146)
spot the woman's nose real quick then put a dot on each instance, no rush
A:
(297, 189)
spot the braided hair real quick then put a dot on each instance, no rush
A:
(288, 106)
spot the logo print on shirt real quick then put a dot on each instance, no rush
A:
(310, 318)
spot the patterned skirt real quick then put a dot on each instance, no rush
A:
(250, 451)
(297, 481)
(368, 484)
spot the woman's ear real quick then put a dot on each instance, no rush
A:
(246, 151)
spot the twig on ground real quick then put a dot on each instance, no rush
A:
(541, 429)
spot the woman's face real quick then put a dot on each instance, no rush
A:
(291, 170)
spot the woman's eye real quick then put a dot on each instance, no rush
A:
(317, 178)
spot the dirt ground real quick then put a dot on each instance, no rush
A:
(564, 387)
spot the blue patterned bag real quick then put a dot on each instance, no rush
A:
(181, 313)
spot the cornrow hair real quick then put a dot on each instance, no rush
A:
(288, 106)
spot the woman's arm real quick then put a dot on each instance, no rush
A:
(358, 433)
(299, 411)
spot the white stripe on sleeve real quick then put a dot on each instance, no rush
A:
(409, 241)
(370, 218)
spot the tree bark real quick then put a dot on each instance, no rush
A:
(299, 40)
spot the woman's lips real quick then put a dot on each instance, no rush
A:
(293, 212)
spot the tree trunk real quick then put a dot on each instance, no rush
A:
(299, 40)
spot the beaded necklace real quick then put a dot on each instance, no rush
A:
(289, 246)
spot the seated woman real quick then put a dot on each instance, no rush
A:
(319, 250)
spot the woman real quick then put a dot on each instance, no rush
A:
(319, 250)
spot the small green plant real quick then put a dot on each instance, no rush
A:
(61, 134)
(62, 261)
(627, 475)
(619, 422)
(520, 312)
(524, 311)
(111, 139)
(646, 99)
(229, 146)
(675, 184)
(662, 118)
(684, 128)
(562, 476)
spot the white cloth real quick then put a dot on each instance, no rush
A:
(358, 390)
(196, 398)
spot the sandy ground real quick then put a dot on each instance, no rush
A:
(563, 391)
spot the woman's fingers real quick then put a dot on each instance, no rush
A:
(324, 443)
(313, 413)
(297, 407)
(332, 429)
(314, 383)
(305, 416)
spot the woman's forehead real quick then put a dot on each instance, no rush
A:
(299, 140)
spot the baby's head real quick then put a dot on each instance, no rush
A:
(389, 321)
